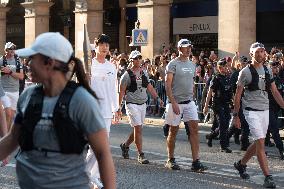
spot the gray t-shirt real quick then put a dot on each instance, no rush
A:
(9, 83)
(140, 95)
(37, 169)
(184, 73)
(254, 99)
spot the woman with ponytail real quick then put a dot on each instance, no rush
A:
(52, 131)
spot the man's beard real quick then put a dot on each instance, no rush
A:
(260, 60)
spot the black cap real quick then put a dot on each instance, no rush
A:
(274, 63)
(222, 62)
(244, 59)
(103, 38)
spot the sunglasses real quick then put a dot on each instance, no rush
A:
(137, 58)
(11, 49)
(275, 64)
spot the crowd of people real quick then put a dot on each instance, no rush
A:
(64, 125)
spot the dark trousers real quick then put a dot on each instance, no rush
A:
(223, 117)
(244, 129)
(273, 128)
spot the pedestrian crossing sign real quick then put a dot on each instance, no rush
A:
(139, 37)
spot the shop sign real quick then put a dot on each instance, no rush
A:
(195, 25)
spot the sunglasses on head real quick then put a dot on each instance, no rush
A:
(275, 64)
(185, 43)
(12, 48)
(137, 58)
(258, 45)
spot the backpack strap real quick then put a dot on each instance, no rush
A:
(62, 105)
(268, 81)
(253, 86)
(145, 81)
(4, 61)
(71, 138)
(133, 83)
(18, 63)
(31, 116)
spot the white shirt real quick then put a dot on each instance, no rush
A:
(104, 83)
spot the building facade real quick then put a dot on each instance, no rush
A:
(220, 25)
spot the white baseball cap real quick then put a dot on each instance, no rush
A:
(9, 45)
(255, 46)
(184, 43)
(134, 54)
(50, 44)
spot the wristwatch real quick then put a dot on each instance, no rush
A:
(235, 114)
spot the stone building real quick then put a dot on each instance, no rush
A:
(225, 26)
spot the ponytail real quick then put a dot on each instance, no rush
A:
(81, 75)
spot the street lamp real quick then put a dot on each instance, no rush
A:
(4, 3)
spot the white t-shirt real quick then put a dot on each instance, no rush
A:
(104, 83)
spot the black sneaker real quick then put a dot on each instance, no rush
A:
(141, 159)
(209, 139)
(269, 143)
(242, 170)
(268, 182)
(124, 151)
(197, 166)
(226, 150)
(171, 164)
(209, 142)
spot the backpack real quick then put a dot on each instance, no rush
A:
(133, 84)
(253, 85)
(18, 63)
(71, 139)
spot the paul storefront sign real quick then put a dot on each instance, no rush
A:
(195, 25)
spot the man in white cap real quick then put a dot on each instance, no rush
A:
(134, 86)
(11, 73)
(255, 79)
(180, 91)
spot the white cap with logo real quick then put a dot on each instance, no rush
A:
(255, 46)
(9, 45)
(134, 54)
(50, 44)
(184, 43)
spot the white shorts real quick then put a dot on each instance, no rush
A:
(10, 100)
(136, 113)
(258, 123)
(187, 112)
